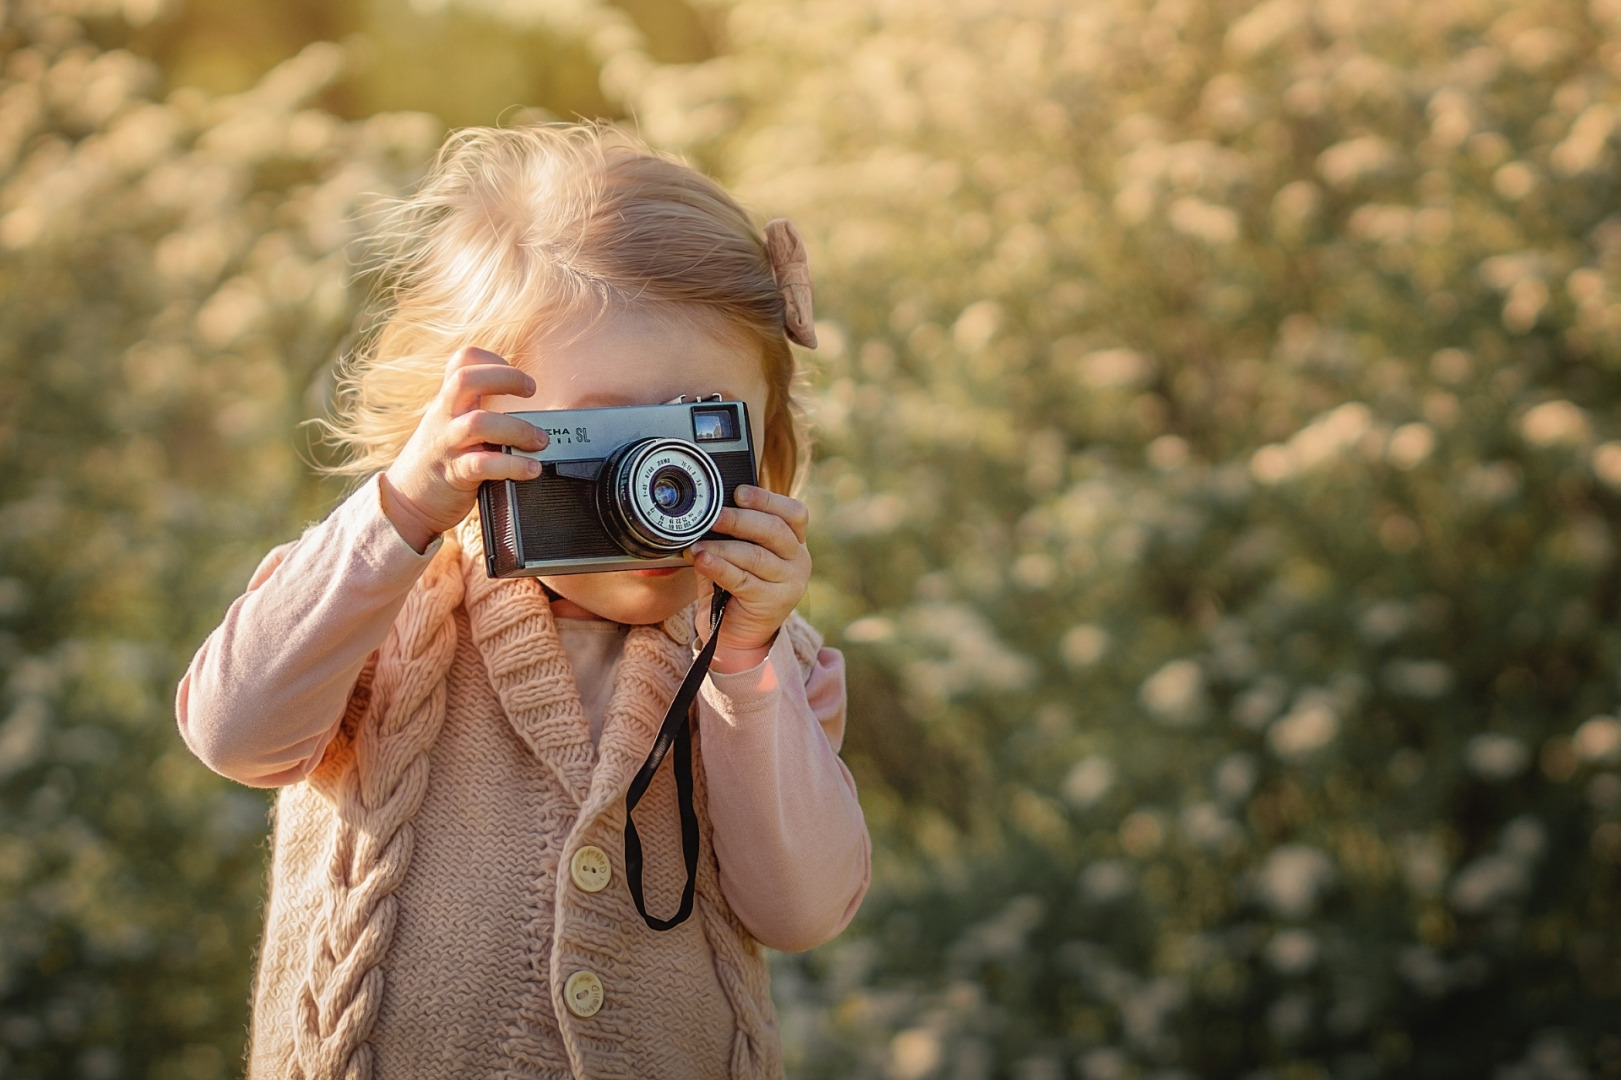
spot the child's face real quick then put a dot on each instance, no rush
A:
(628, 358)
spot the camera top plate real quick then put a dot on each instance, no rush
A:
(593, 434)
(556, 523)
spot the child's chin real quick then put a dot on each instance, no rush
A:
(631, 596)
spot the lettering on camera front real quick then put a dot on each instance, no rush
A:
(569, 436)
(623, 486)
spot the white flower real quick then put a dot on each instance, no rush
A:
(1109, 369)
(1346, 163)
(1426, 679)
(22, 735)
(1487, 882)
(1175, 694)
(1496, 757)
(1215, 225)
(1598, 740)
(1084, 645)
(1255, 707)
(1319, 442)
(1385, 621)
(1106, 881)
(1583, 150)
(1607, 463)
(1409, 445)
(1505, 874)
(1292, 952)
(1311, 725)
(1293, 879)
(1088, 780)
(1556, 423)
(1204, 824)
(1235, 777)
(914, 1053)
(870, 628)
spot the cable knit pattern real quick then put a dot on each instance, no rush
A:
(377, 785)
(694, 1001)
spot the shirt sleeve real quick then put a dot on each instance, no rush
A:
(794, 853)
(266, 691)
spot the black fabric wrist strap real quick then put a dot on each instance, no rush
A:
(677, 731)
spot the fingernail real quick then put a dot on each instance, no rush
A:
(534, 467)
(529, 382)
(745, 495)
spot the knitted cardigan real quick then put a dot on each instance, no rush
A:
(693, 1001)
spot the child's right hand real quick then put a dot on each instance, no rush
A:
(434, 482)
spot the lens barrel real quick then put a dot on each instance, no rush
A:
(657, 496)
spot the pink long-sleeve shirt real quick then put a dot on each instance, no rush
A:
(266, 692)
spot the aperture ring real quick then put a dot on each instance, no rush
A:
(644, 526)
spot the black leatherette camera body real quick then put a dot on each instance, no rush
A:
(572, 519)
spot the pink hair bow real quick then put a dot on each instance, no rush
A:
(790, 266)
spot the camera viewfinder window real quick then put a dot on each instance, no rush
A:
(714, 425)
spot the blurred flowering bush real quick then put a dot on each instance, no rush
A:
(1218, 493)
(1220, 461)
(172, 283)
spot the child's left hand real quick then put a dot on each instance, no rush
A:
(766, 569)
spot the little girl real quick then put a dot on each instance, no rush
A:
(448, 890)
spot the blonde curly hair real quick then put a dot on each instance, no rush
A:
(516, 228)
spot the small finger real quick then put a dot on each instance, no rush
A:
(767, 530)
(466, 385)
(752, 558)
(792, 512)
(473, 468)
(729, 576)
(498, 429)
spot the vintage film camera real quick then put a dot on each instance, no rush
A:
(626, 488)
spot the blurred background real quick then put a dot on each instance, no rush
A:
(1217, 486)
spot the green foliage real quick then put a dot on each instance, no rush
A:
(172, 284)
(1216, 495)
(1218, 476)
(464, 65)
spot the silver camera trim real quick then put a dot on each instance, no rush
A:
(582, 441)
(637, 513)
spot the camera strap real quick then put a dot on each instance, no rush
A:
(676, 731)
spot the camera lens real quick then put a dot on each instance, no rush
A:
(673, 491)
(657, 496)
